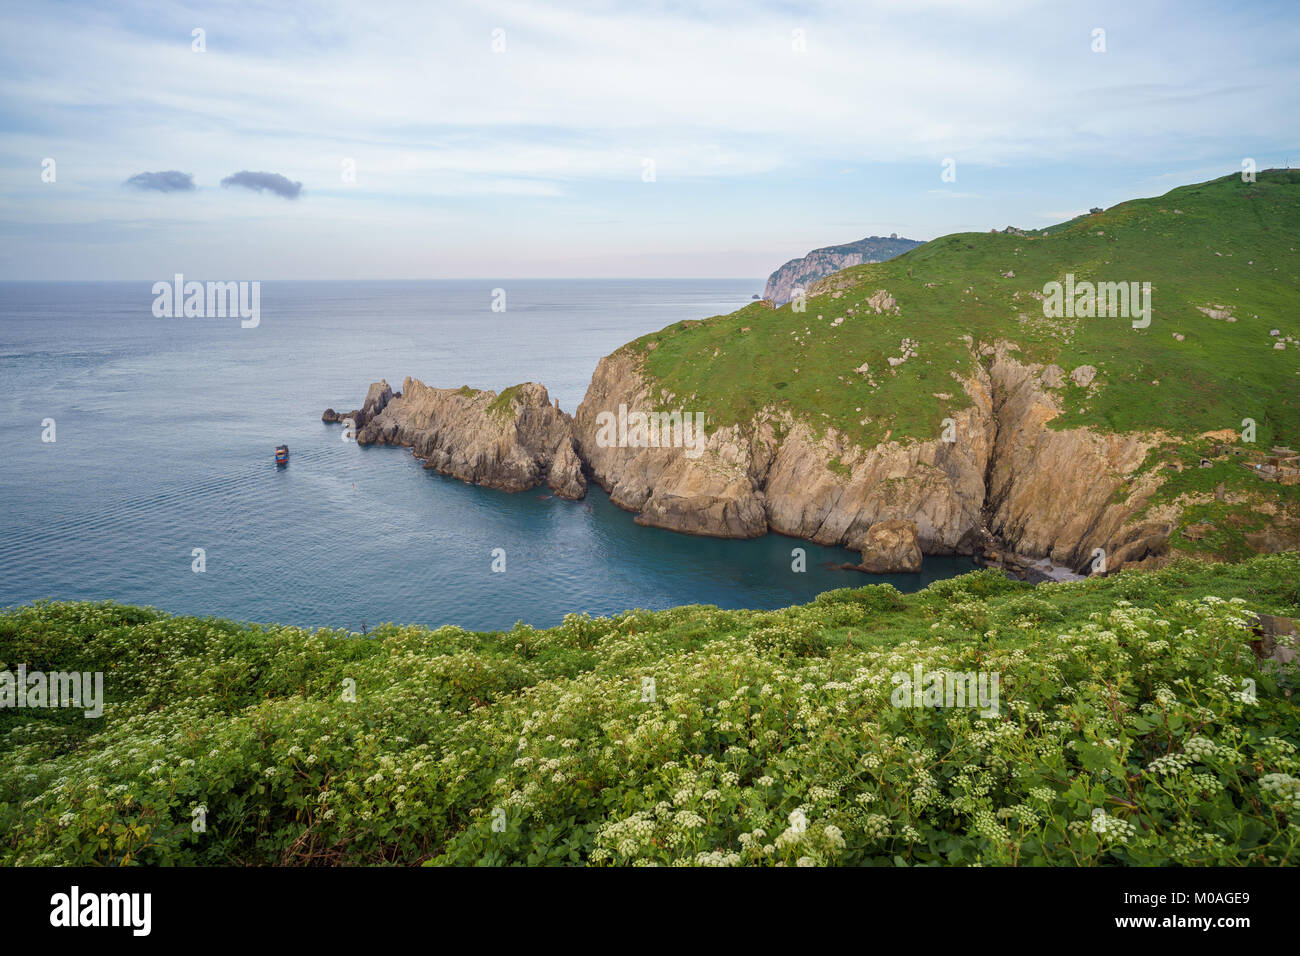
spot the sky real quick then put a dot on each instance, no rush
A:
(604, 139)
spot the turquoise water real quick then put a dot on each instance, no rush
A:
(165, 432)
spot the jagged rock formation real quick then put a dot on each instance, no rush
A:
(1009, 487)
(377, 397)
(801, 273)
(1046, 493)
(1007, 477)
(513, 441)
(1051, 493)
(714, 497)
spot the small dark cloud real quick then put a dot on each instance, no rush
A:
(168, 181)
(259, 181)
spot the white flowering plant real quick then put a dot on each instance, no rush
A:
(1123, 738)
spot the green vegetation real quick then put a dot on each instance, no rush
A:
(1209, 526)
(1126, 734)
(1223, 244)
(500, 406)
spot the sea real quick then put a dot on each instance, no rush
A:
(137, 460)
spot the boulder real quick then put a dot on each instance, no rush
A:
(1275, 638)
(891, 547)
(882, 301)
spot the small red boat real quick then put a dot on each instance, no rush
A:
(281, 455)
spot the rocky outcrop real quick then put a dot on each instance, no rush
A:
(714, 495)
(1054, 495)
(936, 485)
(786, 484)
(891, 547)
(377, 398)
(774, 473)
(1007, 486)
(801, 273)
(1083, 375)
(513, 441)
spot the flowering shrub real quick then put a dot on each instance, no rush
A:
(1136, 727)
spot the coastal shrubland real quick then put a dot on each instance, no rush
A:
(1135, 726)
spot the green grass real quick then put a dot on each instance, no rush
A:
(770, 736)
(1233, 518)
(953, 286)
(500, 406)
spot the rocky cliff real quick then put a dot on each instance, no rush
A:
(1006, 474)
(802, 272)
(1053, 493)
(513, 441)
(718, 494)
(927, 391)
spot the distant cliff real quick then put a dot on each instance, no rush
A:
(801, 273)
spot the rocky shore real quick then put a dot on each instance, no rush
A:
(1005, 476)
(997, 492)
(513, 441)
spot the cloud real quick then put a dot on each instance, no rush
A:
(167, 181)
(747, 132)
(259, 181)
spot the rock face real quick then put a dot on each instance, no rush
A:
(891, 547)
(1008, 474)
(377, 398)
(1083, 375)
(513, 441)
(748, 480)
(801, 273)
(1276, 639)
(1008, 485)
(1050, 493)
(713, 495)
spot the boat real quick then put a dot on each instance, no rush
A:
(281, 455)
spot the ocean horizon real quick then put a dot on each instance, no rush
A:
(165, 428)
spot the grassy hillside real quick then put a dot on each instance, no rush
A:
(1124, 735)
(1224, 244)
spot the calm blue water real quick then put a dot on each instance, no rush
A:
(166, 429)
